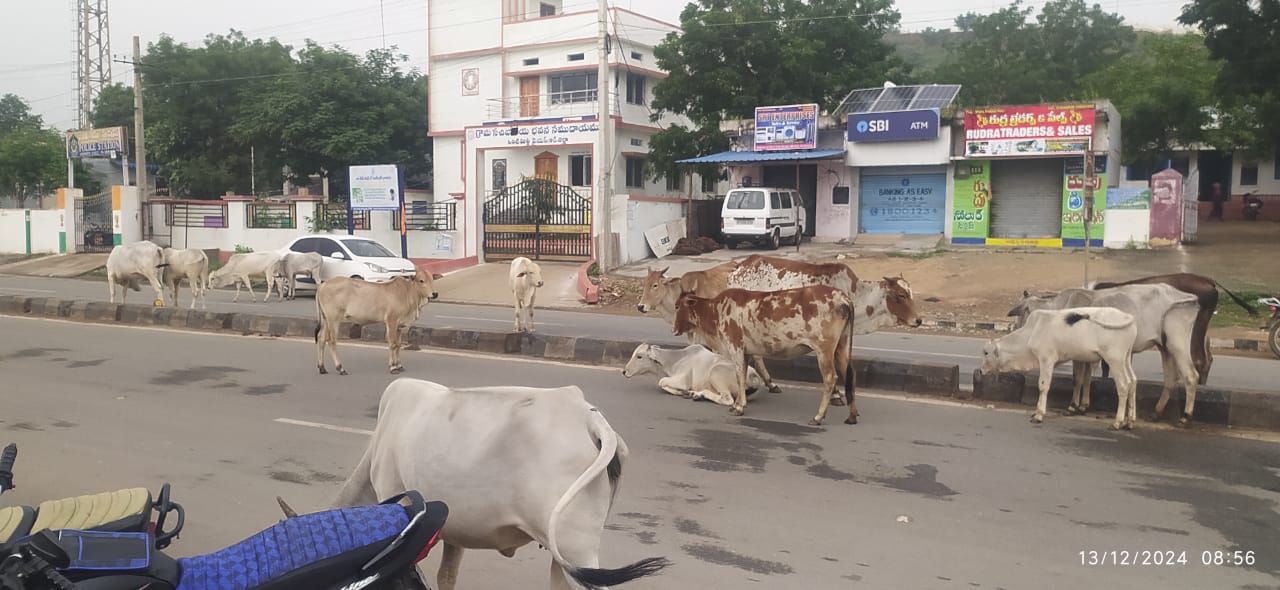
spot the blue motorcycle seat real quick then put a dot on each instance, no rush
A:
(291, 545)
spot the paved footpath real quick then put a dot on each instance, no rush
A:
(1228, 371)
(921, 494)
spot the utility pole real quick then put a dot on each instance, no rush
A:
(603, 199)
(1088, 209)
(253, 175)
(139, 134)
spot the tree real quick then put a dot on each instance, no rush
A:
(1163, 90)
(735, 55)
(114, 108)
(1246, 37)
(16, 114)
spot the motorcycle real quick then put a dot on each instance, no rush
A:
(358, 548)
(1252, 206)
(1273, 324)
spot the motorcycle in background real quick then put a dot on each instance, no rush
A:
(1251, 206)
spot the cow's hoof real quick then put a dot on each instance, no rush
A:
(1184, 422)
(1128, 425)
(837, 401)
(1037, 419)
(342, 371)
(1153, 417)
(851, 420)
(737, 412)
(813, 422)
(775, 389)
(1115, 426)
(397, 370)
(323, 371)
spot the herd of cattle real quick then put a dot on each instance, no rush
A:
(542, 483)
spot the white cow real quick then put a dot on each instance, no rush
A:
(693, 372)
(525, 278)
(128, 262)
(515, 465)
(1166, 320)
(292, 264)
(1079, 334)
(240, 267)
(191, 264)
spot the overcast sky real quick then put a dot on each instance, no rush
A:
(37, 46)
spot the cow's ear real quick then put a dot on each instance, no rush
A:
(435, 276)
(1013, 313)
(521, 274)
(1026, 293)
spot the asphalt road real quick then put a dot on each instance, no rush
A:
(918, 495)
(1228, 371)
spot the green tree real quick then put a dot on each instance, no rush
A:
(1163, 90)
(114, 108)
(33, 159)
(1245, 36)
(735, 55)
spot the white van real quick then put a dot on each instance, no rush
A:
(763, 215)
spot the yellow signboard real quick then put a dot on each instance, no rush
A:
(1026, 242)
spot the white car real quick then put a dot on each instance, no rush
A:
(350, 256)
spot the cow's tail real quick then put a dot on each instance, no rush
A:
(358, 489)
(1073, 318)
(320, 315)
(607, 459)
(849, 370)
(1239, 301)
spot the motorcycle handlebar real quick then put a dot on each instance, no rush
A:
(7, 458)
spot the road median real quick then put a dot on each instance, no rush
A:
(1230, 407)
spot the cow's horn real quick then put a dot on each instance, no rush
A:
(288, 512)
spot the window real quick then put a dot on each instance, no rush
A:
(675, 182)
(368, 248)
(636, 55)
(786, 200)
(577, 56)
(635, 89)
(840, 195)
(573, 87)
(745, 200)
(775, 201)
(635, 172)
(533, 61)
(1249, 174)
(305, 245)
(547, 10)
(580, 170)
(709, 184)
(326, 247)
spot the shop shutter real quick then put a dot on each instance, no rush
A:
(1026, 198)
(901, 203)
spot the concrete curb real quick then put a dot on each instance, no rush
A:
(1249, 344)
(1236, 408)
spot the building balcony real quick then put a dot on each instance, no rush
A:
(578, 103)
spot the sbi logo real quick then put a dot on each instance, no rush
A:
(906, 182)
(862, 126)
(873, 126)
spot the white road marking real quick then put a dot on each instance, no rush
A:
(27, 290)
(916, 352)
(492, 320)
(324, 426)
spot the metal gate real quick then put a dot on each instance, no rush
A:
(157, 223)
(1026, 198)
(540, 219)
(95, 232)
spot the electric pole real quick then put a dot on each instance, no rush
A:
(93, 50)
(139, 133)
(1088, 208)
(603, 199)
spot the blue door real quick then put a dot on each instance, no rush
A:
(902, 203)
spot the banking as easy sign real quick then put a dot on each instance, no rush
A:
(894, 126)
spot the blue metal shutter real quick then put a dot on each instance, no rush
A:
(902, 203)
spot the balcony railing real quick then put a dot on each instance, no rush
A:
(423, 216)
(577, 103)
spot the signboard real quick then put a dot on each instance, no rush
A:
(1028, 130)
(1073, 206)
(374, 187)
(534, 134)
(903, 204)
(1128, 199)
(971, 219)
(789, 127)
(96, 143)
(894, 126)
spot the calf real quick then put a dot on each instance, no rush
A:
(191, 264)
(781, 324)
(241, 267)
(292, 264)
(127, 262)
(524, 277)
(693, 372)
(1079, 334)
(395, 303)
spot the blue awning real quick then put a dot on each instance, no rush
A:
(745, 157)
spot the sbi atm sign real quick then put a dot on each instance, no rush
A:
(894, 126)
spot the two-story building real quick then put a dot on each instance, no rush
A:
(514, 95)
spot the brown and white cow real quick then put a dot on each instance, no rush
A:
(783, 324)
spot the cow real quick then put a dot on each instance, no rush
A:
(191, 264)
(515, 465)
(128, 262)
(1165, 318)
(1078, 334)
(693, 372)
(396, 304)
(877, 303)
(289, 266)
(524, 277)
(240, 267)
(1206, 291)
(783, 324)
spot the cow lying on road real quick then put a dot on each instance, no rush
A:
(780, 324)
(693, 372)
(1165, 318)
(1079, 334)
(191, 264)
(243, 266)
(396, 304)
(128, 262)
(524, 277)
(515, 465)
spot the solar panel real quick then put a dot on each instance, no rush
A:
(935, 96)
(895, 98)
(860, 101)
(898, 98)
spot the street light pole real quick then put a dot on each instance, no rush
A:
(603, 198)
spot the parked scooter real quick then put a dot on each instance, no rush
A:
(1252, 206)
(1273, 324)
(358, 548)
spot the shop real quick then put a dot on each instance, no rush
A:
(1020, 174)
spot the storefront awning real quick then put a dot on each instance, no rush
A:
(748, 157)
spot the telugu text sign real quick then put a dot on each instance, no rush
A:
(96, 143)
(1028, 130)
(787, 127)
(374, 187)
(534, 134)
